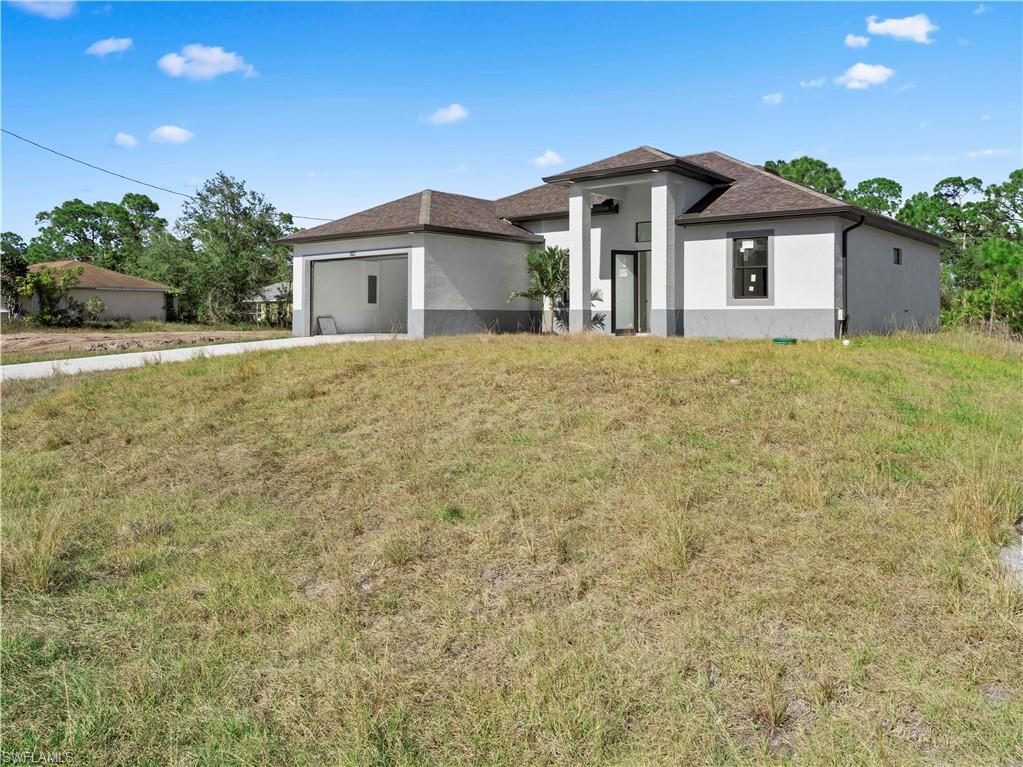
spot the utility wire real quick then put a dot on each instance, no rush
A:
(119, 175)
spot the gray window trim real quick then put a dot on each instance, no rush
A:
(897, 256)
(636, 231)
(730, 238)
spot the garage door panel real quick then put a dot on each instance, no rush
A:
(362, 295)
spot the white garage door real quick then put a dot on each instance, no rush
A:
(360, 295)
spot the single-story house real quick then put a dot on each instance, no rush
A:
(696, 245)
(124, 296)
(272, 304)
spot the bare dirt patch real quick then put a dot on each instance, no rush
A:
(62, 343)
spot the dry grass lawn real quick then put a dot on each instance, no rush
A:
(512, 550)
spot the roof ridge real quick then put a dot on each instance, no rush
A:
(660, 152)
(782, 179)
(425, 203)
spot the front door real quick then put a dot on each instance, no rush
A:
(630, 292)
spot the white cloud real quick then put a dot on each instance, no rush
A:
(48, 9)
(856, 41)
(171, 134)
(987, 153)
(916, 28)
(907, 87)
(108, 46)
(547, 159)
(985, 116)
(861, 76)
(204, 62)
(981, 9)
(125, 140)
(448, 114)
(773, 99)
(817, 82)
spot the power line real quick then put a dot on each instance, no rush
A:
(119, 175)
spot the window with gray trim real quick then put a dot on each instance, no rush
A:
(897, 256)
(749, 267)
(643, 231)
(371, 289)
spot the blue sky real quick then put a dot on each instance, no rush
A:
(326, 107)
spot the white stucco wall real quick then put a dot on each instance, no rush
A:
(456, 284)
(803, 280)
(885, 297)
(474, 273)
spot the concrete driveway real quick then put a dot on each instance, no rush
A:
(138, 359)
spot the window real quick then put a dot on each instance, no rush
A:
(897, 256)
(642, 231)
(371, 284)
(749, 261)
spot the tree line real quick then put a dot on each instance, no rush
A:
(982, 274)
(220, 251)
(216, 256)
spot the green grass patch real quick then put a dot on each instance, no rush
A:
(510, 550)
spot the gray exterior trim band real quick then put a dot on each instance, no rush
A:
(451, 322)
(760, 322)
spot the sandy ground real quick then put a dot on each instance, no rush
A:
(41, 343)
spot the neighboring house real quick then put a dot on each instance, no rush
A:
(125, 297)
(697, 245)
(272, 304)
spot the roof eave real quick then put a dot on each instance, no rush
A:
(850, 212)
(680, 167)
(297, 239)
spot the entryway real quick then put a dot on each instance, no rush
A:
(630, 292)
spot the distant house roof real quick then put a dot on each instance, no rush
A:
(271, 293)
(98, 278)
(426, 211)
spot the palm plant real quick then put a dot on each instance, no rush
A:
(548, 281)
(548, 286)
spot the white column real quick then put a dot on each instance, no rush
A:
(665, 204)
(300, 297)
(579, 227)
(417, 292)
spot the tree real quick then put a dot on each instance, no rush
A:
(810, 172)
(232, 231)
(12, 267)
(997, 297)
(108, 234)
(52, 287)
(1005, 205)
(880, 195)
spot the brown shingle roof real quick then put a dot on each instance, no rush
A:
(101, 279)
(754, 190)
(740, 190)
(424, 211)
(758, 193)
(638, 156)
(544, 201)
(643, 158)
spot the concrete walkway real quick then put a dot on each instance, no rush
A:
(138, 359)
